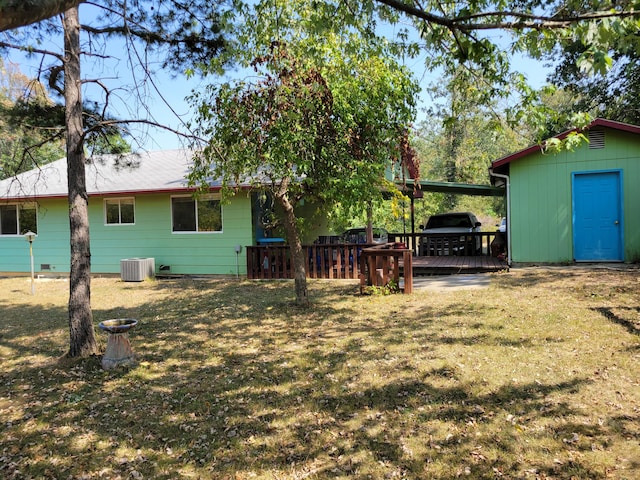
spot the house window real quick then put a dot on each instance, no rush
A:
(18, 219)
(119, 211)
(190, 215)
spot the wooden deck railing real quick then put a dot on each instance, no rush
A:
(445, 244)
(374, 265)
(333, 260)
(269, 261)
(338, 261)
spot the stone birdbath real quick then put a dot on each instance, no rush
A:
(119, 350)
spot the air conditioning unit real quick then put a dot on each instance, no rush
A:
(137, 269)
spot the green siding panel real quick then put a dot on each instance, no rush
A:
(52, 245)
(541, 215)
(185, 253)
(150, 236)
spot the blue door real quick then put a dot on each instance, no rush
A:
(597, 216)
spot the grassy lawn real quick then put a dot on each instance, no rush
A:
(536, 377)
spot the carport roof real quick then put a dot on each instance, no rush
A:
(458, 188)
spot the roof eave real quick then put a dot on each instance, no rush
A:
(115, 193)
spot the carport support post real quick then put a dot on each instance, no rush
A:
(413, 217)
(508, 189)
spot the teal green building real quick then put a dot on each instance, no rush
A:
(575, 206)
(140, 207)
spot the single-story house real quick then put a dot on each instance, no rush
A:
(579, 205)
(140, 207)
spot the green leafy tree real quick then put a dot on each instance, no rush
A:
(481, 38)
(614, 94)
(478, 142)
(279, 133)
(33, 125)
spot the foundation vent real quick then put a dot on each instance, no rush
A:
(596, 138)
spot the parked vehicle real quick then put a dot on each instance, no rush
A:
(359, 235)
(503, 225)
(447, 223)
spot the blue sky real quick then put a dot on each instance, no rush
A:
(165, 93)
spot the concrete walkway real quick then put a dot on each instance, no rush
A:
(445, 283)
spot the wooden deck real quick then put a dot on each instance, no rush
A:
(448, 265)
(374, 265)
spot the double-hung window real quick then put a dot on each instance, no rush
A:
(18, 219)
(201, 215)
(119, 211)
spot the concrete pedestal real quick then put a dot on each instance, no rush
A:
(119, 351)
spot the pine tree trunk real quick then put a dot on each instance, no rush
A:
(82, 335)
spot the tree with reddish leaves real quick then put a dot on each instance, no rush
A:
(322, 125)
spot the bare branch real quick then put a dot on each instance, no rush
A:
(118, 122)
(499, 19)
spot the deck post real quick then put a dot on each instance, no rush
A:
(407, 268)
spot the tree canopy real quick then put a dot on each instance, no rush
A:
(614, 94)
(33, 125)
(481, 38)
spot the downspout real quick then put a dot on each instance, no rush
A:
(508, 188)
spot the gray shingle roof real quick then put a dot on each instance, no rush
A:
(147, 172)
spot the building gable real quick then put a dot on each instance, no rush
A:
(543, 214)
(596, 133)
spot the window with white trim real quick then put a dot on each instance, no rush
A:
(18, 218)
(119, 211)
(201, 215)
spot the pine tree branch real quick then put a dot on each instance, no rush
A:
(18, 13)
(30, 49)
